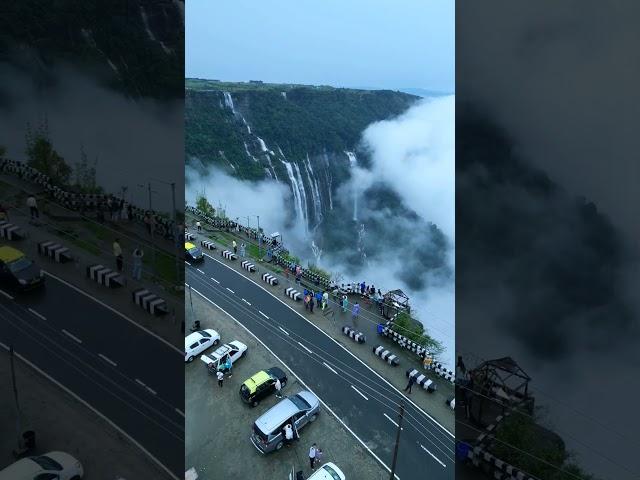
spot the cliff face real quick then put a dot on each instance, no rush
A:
(305, 137)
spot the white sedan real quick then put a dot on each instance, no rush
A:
(197, 342)
(231, 351)
(54, 465)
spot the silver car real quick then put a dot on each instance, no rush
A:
(298, 410)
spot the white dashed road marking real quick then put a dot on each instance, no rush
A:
(230, 290)
(2, 292)
(391, 420)
(305, 347)
(107, 359)
(246, 302)
(179, 412)
(71, 336)
(330, 368)
(37, 314)
(187, 263)
(359, 392)
(263, 314)
(200, 271)
(436, 458)
(215, 280)
(285, 332)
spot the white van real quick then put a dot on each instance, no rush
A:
(50, 466)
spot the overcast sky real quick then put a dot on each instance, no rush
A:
(360, 43)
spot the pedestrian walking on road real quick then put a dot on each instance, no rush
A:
(412, 380)
(312, 456)
(362, 287)
(199, 226)
(355, 312)
(243, 248)
(318, 299)
(138, 253)
(33, 206)
(311, 303)
(235, 247)
(318, 456)
(220, 376)
(306, 300)
(117, 252)
(325, 300)
(345, 304)
(278, 387)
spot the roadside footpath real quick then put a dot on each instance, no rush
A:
(331, 322)
(62, 423)
(218, 423)
(91, 243)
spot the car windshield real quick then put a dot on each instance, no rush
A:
(300, 402)
(260, 433)
(205, 334)
(331, 472)
(195, 251)
(47, 463)
(18, 265)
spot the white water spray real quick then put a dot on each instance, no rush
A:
(228, 101)
(353, 162)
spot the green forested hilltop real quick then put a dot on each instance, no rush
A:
(297, 119)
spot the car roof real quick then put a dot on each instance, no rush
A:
(277, 414)
(323, 474)
(24, 466)
(257, 379)
(9, 254)
(192, 337)
(189, 245)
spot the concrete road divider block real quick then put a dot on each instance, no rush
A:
(188, 236)
(105, 276)
(443, 372)
(10, 231)
(422, 380)
(353, 334)
(270, 279)
(228, 255)
(55, 251)
(248, 266)
(386, 355)
(451, 402)
(208, 244)
(149, 301)
(293, 293)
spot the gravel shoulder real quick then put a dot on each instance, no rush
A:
(218, 424)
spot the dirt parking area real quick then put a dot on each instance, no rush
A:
(63, 423)
(218, 423)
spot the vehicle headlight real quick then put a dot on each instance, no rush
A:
(22, 281)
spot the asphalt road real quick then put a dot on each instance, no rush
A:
(362, 400)
(132, 378)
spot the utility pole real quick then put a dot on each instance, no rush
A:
(15, 396)
(395, 450)
(259, 239)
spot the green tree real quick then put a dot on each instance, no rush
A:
(203, 204)
(414, 331)
(42, 156)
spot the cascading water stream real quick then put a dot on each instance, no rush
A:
(297, 197)
(353, 163)
(228, 101)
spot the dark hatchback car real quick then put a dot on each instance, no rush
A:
(17, 271)
(261, 385)
(193, 253)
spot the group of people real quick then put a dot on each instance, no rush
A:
(136, 259)
(321, 299)
(243, 248)
(225, 366)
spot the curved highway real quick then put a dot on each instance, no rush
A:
(362, 400)
(116, 367)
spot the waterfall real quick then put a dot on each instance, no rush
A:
(317, 252)
(268, 173)
(353, 162)
(361, 235)
(245, 123)
(246, 149)
(284, 95)
(297, 197)
(150, 34)
(303, 194)
(263, 146)
(315, 191)
(228, 101)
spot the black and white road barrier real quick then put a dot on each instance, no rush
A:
(248, 266)
(208, 244)
(501, 469)
(55, 251)
(10, 231)
(293, 293)
(149, 301)
(353, 334)
(270, 279)
(422, 380)
(443, 372)
(451, 402)
(228, 255)
(188, 236)
(386, 355)
(104, 276)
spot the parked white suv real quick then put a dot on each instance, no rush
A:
(197, 342)
(216, 360)
(50, 466)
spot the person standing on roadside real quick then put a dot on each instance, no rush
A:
(117, 252)
(199, 226)
(355, 312)
(345, 304)
(243, 248)
(278, 387)
(138, 253)
(312, 456)
(311, 302)
(235, 247)
(325, 300)
(318, 456)
(33, 206)
(288, 434)
(412, 380)
(220, 376)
